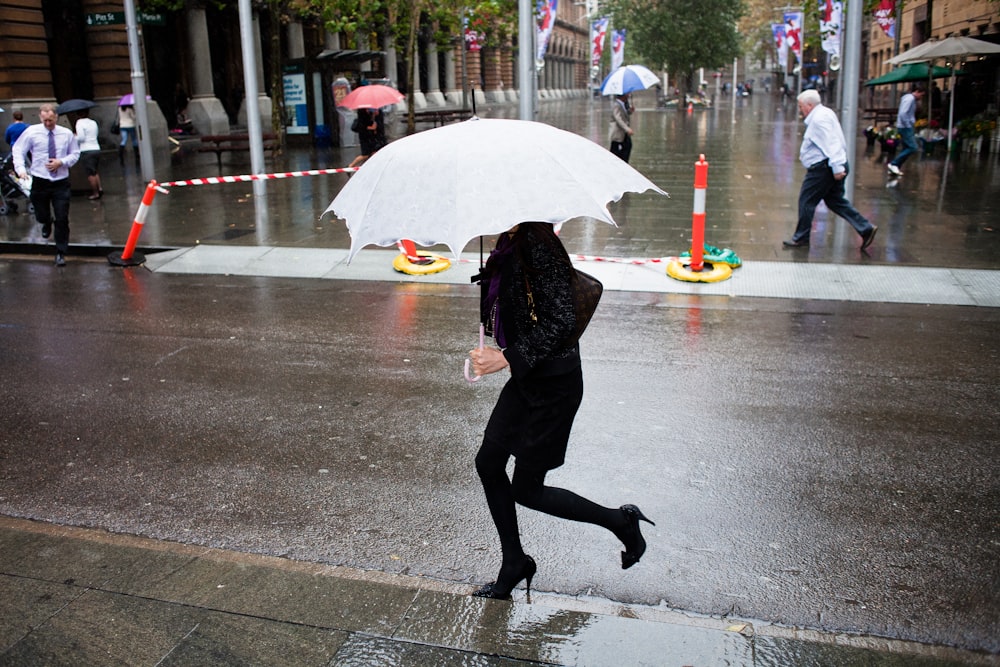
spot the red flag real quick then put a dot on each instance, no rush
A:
(885, 16)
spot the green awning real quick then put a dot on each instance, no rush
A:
(910, 72)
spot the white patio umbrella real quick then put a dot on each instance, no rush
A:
(480, 177)
(955, 48)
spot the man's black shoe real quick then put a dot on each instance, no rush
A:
(46, 230)
(866, 239)
(792, 243)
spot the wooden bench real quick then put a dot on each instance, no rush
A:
(439, 117)
(223, 143)
(880, 115)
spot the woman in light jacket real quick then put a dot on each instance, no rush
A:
(621, 131)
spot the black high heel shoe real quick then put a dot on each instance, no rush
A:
(635, 545)
(497, 592)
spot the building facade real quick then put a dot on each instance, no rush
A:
(60, 49)
(977, 91)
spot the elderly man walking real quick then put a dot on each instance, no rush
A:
(824, 155)
(53, 149)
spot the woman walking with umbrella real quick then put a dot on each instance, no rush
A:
(126, 127)
(528, 305)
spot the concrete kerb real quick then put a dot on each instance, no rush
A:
(738, 634)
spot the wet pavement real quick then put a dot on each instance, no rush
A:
(292, 457)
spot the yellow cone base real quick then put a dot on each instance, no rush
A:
(680, 269)
(403, 264)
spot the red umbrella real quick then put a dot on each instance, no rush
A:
(373, 96)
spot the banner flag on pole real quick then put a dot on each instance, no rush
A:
(830, 14)
(471, 36)
(598, 33)
(617, 48)
(546, 22)
(885, 16)
(793, 33)
(780, 43)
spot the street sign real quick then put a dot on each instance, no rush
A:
(118, 18)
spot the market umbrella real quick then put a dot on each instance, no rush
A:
(372, 96)
(74, 105)
(480, 177)
(953, 48)
(627, 79)
(910, 72)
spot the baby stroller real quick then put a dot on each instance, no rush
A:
(11, 189)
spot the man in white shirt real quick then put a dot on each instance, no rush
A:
(53, 149)
(824, 155)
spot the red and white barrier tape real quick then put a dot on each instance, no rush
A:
(213, 180)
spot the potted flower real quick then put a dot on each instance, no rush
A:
(889, 139)
(972, 131)
(929, 134)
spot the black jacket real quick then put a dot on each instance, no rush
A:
(538, 264)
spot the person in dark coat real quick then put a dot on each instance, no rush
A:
(371, 133)
(528, 307)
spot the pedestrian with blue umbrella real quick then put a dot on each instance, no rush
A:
(620, 83)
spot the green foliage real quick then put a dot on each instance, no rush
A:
(681, 35)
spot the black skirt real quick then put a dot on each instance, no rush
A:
(533, 418)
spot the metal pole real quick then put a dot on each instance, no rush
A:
(250, 91)
(851, 74)
(526, 60)
(139, 92)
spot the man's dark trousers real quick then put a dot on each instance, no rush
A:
(820, 185)
(52, 197)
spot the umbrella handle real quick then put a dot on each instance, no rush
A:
(468, 375)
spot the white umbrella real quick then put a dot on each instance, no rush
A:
(627, 79)
(480, 177)
(955, 48)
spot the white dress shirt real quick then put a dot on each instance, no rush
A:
(823, 140)
(35, 140)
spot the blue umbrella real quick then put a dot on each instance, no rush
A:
(628, 78)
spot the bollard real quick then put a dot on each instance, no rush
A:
(695, 269)
(128, 256)
(698, 216)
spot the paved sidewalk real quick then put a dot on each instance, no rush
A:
(842, 282)
(72, 596)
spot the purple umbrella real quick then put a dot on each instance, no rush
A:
(129, 100)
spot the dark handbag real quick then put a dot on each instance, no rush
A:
(587, 292)
(356, 125)
(115, 128)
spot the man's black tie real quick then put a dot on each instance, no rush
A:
(52, 145)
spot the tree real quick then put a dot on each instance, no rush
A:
(681, 35)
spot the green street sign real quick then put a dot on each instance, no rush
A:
(106, 18)
(118, 18)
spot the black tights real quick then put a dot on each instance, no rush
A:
(528, 488)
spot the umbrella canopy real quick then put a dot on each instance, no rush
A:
(74, 105)
(628, 78)
(910, 72)
(953, 47)
(480, 177)
(129, 100)
(372, 96)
